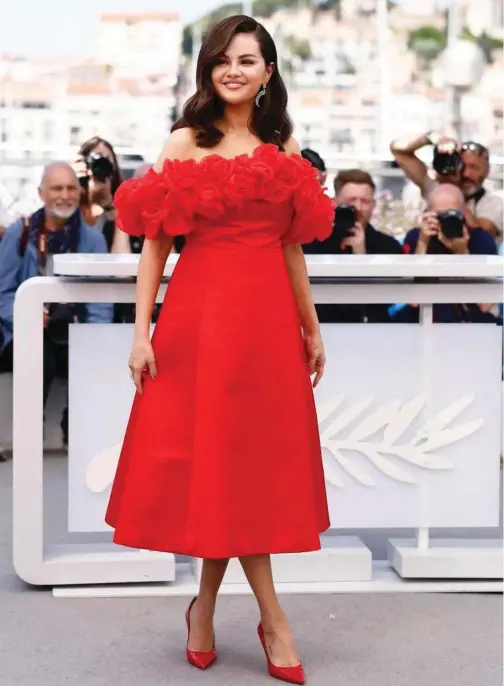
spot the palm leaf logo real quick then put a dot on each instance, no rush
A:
(392, 421)
(389, 454)
(102, 468)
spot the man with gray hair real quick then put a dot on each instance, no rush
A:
(25, 250)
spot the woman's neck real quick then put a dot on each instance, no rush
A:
(236, 119)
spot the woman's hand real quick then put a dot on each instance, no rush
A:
(100, 192)
(142, 361)
(315, 355)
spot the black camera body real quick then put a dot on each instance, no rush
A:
(345, 218)
(447, 163)
(451, 223)
(100, 167)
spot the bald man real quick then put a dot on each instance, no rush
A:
(56, 228)
(447, 199)
(447, 202)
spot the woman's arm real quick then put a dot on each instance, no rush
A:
(120, 241)
(150, 271)
(298, 275)
(155, 251)
(300, 283)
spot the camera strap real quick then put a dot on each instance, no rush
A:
(34, 230)
(41, 243)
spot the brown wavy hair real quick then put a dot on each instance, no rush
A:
(270, 121)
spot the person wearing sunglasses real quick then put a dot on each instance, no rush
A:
(483, 208)
(466, 165)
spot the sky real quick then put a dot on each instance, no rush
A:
(50, 28)
(53, 28)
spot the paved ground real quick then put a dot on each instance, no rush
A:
(345, 640)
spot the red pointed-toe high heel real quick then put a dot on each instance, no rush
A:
(198, 658)
(293, 675)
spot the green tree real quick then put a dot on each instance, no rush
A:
(298, 47)
(427, 42)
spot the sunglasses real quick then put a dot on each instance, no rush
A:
(476, 148)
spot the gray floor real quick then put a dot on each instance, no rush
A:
(345, 640)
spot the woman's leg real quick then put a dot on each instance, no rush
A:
(277, 632)
(202, 612)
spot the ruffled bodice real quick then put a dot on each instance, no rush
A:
(264, 198)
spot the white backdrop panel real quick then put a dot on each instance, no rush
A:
(410, 421)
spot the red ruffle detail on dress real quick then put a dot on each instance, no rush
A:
(187, 190)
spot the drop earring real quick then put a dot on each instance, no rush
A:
(261, 94)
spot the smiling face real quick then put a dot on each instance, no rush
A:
(241, 71)
(59, 191)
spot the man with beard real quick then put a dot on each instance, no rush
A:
(25, 250)
(483, 209)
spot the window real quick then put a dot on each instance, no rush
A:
(34, 105)
(75, 135)
(47, 131)
(341, 136)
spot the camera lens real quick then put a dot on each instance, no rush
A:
(100, 166)
(447, 163)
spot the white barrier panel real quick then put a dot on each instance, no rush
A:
(404, 446)
(409, 417)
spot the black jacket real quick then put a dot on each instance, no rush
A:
(377, 243)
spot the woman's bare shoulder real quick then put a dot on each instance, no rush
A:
(291, 147)
(181, 145)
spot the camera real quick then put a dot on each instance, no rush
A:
(345, 218)
(451, 223)
(447, 163)
(100, 167)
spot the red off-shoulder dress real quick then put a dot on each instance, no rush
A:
(221, 456)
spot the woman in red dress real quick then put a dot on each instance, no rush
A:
(221, 456)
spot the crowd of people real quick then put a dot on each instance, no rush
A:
(77, 214)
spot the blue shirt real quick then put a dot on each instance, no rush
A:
(15, 269)
(481, 242)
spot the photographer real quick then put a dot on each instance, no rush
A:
(26, 250)
(353, 233)
(99, 175)
(316, 162)
(466, 165)
(444, 231)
